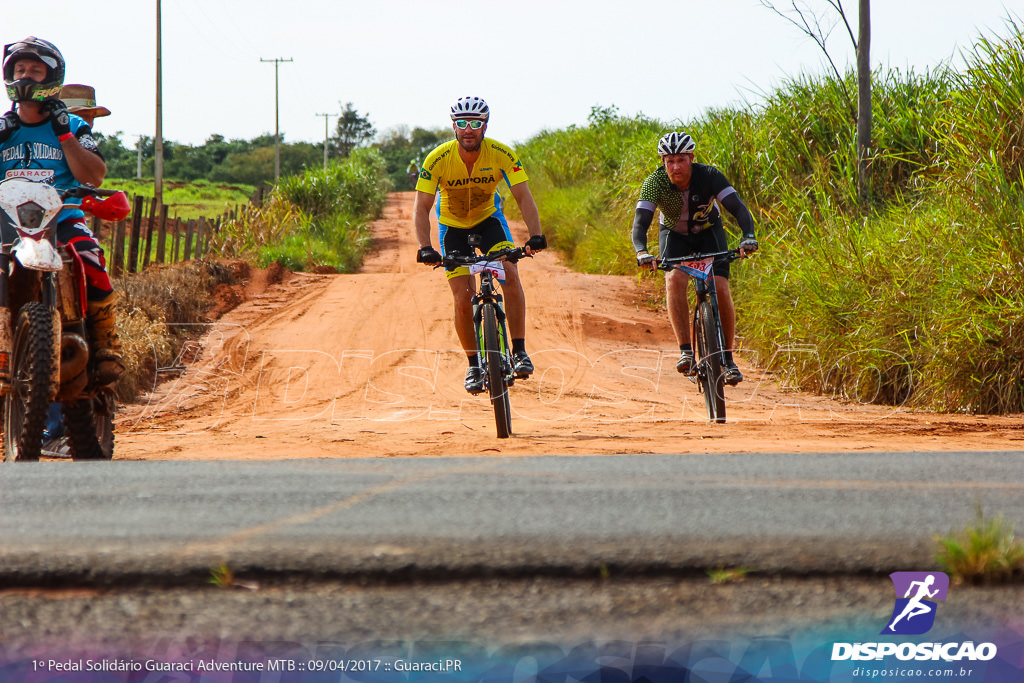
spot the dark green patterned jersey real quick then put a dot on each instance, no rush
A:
(688, 211)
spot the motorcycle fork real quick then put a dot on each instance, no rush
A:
(49, 298)
(5, 321)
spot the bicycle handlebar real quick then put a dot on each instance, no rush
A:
(673, 263)
(456, 260)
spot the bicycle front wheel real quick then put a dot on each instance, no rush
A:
(709, 362)
(496, 386)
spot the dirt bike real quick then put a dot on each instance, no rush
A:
(44, 355)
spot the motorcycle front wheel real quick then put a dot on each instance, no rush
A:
(26, 405)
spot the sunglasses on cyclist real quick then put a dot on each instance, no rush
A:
(462, 124)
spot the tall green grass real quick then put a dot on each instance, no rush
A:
(584, 179)
(917, 298)
(314, 220)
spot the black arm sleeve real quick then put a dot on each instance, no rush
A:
(86, 139)
(641, 222)
(740, 211)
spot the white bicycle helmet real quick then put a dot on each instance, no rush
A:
(470, 108)
(676, 143)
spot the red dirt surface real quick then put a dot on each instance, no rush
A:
(368, 365)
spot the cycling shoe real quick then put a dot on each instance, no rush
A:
(474, 379)
(522, 366)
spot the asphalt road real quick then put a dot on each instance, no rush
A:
(424, 518)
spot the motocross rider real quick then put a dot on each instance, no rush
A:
(41, 140)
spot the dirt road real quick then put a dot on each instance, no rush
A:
(367, 365)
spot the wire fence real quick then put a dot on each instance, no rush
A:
(149, 236)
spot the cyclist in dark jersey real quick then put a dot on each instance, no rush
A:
(689, 196)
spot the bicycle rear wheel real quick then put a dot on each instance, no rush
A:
(496, 386)
(709, 362)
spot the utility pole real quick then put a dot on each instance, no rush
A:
(277, 127)
(158, 139)
(864, 103)
(326, 136)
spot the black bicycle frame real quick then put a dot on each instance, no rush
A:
(488, 295)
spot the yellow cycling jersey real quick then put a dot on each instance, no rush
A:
(468, 198)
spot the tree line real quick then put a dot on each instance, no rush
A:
(251, 162)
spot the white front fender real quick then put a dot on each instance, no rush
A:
(37, 255)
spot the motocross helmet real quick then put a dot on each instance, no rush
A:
(470, 108)
(676, 143)
(25, 89)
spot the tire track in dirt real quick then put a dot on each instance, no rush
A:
(368, 365)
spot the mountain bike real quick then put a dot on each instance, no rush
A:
(495, 354)
(708, 340)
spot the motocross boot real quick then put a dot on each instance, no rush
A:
(105, 342)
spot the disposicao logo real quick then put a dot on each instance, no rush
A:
(914, 612)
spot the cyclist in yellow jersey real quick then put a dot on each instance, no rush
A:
(465, 173)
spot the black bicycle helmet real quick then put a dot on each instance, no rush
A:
(25, 89)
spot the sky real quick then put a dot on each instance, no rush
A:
(540, 64)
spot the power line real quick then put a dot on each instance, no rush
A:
(277, 127)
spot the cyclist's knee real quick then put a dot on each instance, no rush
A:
(722, 289)
(463, 297)
(511, 279)
(676, 281)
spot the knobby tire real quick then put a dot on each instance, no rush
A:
(496, 386)
(25, 407)
(89, 425)
(709, 359)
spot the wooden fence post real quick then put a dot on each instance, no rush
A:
(112, 248)
(150, 225)
(133, 241)
(177, 239)
(190, 227)
(161, 248)
(117, 248)
(203, 238)
(197, 245)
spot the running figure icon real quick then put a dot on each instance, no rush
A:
(920, 592)
(915, 607)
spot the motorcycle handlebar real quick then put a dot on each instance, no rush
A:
(86, 191)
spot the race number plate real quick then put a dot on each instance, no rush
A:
(496, 267)
(701, 268)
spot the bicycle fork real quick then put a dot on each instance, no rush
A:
(496, 302)
(706, 291)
